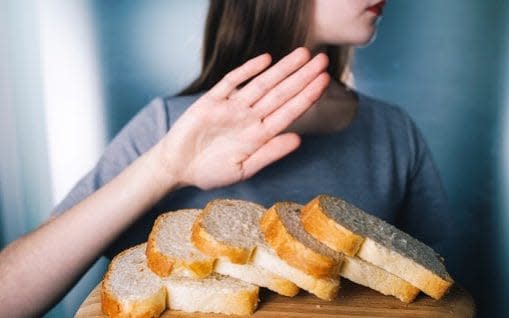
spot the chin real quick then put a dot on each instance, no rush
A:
(363, 39)
(367, 40)
(358, 37)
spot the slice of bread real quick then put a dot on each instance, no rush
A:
(169, 245)
(228, 230)
(323, 288)
(345, 228)
(369, 275)
(283, 232)
(293, 242)
(257, 275)
(130, 289)
(213, 294)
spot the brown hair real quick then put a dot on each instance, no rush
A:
(238, 30)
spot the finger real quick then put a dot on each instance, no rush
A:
(264, 82)
(291, 110)
(275, 149)
(239, 75)
(291, 86)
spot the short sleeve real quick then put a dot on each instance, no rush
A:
(138, 136)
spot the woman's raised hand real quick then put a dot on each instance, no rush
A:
(229, 134)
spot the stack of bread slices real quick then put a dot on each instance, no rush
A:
(215, 259)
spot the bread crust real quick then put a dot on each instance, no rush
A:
(246, 273)
(208, 245)
(417, 275)
(156, 261)
(244, 303)
(163, 265)
(283, 287)
(150, 307)
(322, 227)
(407, 294)
(109, 304)
(374, 277)
(292, 250)
(324, 288)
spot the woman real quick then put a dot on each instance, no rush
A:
(255, 126)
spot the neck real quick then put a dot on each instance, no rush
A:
(333, 112)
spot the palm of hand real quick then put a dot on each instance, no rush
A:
(227, 136)
(224, 136)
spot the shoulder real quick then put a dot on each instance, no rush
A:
(391, 125)
(389, 118)
(153, 115)
(153, 120)
(382, 112)
(163, 110)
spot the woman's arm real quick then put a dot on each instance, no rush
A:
(226, 136)
(39, 268)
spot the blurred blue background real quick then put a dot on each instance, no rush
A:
(72, 73)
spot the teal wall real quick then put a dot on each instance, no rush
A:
(445, 62)
(147, 49)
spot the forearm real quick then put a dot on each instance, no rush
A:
(36, 270)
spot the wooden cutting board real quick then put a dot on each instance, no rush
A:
(354, 301)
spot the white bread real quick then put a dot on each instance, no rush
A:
(345, 228)
(369, 275)
(213, 294)
(257, 275)
(323, 288)
(170, 250)
(169, 245)
(288, 237)
(130, 289)
(228, 231)
(283, 232)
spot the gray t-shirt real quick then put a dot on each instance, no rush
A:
(379, 163)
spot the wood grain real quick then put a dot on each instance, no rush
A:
(354, 301)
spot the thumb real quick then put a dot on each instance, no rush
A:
(273, 150)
